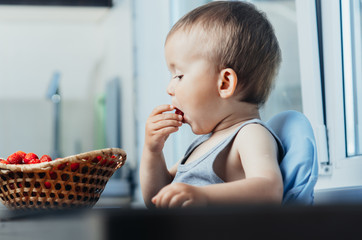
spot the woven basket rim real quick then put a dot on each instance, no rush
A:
(69, 159)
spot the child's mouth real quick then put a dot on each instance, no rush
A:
(179, 112)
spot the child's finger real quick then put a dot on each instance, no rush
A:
(178, 200)
(166, 116)
(166, 131)
(161, 198)
(161, 109)
(165, 200)
(154, 200)
(167, 123)
(186, 203)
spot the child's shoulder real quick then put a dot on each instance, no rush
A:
(256, 146)
(255, 133)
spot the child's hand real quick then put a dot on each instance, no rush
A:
(160, 125)
(179, 195)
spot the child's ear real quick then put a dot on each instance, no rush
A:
(227, 82)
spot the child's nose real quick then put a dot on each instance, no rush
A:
(170, 88)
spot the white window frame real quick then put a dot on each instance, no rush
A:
(336, 169)
(351, 35)
(312, 99)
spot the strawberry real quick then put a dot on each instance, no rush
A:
(62, 166)
(45, 158)
(47, 185)
(74, 166)
(21, 154)
(181, 113)
(97, 159)
(103, 162)
(3, 161)
(14, 159)
(30, 156)
(34, 161)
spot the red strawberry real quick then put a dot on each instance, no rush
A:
(179, 112)
(33, 161)
(45, 158)
(29, 156)
(103, 162)
(47, 185)
(21, 154)
(97, 159)
(62, 166)
(3, 161)
(15, 159)
(74, 166)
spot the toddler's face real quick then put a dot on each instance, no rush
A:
(193, 86)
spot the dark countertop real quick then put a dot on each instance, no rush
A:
(222, 222)
(337, 213)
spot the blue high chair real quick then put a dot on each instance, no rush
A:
(299, 165)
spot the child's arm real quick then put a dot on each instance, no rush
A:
(154, 174)
(262, 182)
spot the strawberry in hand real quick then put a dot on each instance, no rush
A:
(179, 112)
(160, 124)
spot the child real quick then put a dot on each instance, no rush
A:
(223, 57)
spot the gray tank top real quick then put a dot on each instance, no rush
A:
(200, 172)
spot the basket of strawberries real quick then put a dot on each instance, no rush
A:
(30, 182)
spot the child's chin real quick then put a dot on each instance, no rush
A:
(197, 130)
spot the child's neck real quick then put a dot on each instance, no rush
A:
(236, 118)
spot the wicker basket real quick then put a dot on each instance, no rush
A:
(74, 181)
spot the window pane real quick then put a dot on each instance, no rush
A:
(287, 92)
(351, 38)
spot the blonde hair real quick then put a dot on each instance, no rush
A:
(238, 37)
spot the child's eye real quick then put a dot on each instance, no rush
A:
(179, 77)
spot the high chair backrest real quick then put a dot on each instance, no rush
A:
(299, 165)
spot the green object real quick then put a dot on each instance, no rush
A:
(99, 122)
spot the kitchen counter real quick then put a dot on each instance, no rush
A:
(223, 222)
